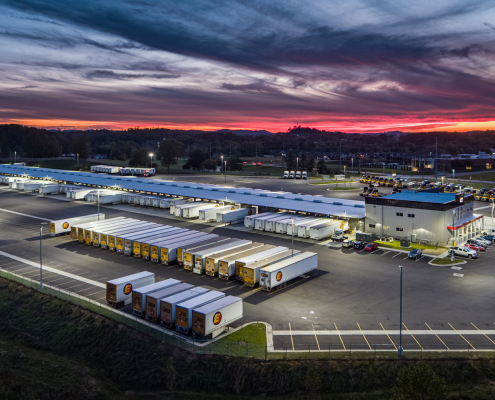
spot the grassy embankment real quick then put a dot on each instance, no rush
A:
(55, 350)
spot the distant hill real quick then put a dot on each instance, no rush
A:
(244, 132)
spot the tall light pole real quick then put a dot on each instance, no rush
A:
(98, 196)
(225, 171)
(453, 234)
(41, 259)
(400, 350)
(15, 157)
(340, 157)
(344, 174)
(297, 164)
(352, 165)
(222, 165)
(453, 175)
(151, 162)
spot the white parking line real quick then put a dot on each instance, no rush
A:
(398, 254)
(405, 258)
(456, 268)
(48, 269)
(385, 253)
(419, 258)
(458, 275)
(375, 251)
(24, 215)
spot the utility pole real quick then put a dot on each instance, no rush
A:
(400, 350)
(436, 158)
(340, 157)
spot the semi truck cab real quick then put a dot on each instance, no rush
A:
(286, 174)
(298, 175)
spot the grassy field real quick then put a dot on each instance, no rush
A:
(55, 350)
(253, 333)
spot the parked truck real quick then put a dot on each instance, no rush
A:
(168, 305)
(271, 224)
(100, 235)
(259, 223)
(226, 266)
(234, 216)
(153, 300)
(87, 237)
(242, 262)
(305, 175)
(65, 225)
(304, 229)
(251, 271)
(277, 275)
(299, 222)
(119, 291)
(139, 294)
(210, 215)
(214, 318)
(193, 212)
(298, 175)
(200, 256)
(115, 237)
(147, 243)
(183, 319)
(286, 174)
(281, 225)
(133, 246)
(249, 220)
(188, 255)
(137, 245)
(199, 246)
(77, 230)
(326, 230)
(165, 251)
(212, 261)
(169, 253)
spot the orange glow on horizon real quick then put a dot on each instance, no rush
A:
(371, 127)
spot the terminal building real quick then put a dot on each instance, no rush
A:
(428, 216)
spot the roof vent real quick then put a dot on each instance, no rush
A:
(187, 186)
(317, 201)
(359, 205)
(337, 203)
(263, 195)
(298, 199)
(248, 193)
(280, 197)
(214, 190)
(174, 184)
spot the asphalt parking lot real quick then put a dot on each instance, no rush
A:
(352, 300)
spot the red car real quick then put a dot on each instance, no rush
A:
(371, 247)
(474, 247)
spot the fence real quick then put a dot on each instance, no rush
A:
(246, 350)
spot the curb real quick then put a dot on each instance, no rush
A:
(446, 265)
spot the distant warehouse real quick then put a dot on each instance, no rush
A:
(427, 216)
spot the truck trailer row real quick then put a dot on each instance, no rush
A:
(199, 252)
(297, 225)
(175, 305)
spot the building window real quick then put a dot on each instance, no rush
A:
(386, 228)
(410, 215)
(488, 166)
(400, 214)
(371, 225)
(399, 229)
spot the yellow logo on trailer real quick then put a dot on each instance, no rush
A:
(217, 318)
(65, 225)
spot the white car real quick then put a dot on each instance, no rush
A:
(483, 240)
(463, 251)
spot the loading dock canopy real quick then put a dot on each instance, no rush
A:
(463, 222)
(257, 197)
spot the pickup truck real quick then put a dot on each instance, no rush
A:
(463, 251)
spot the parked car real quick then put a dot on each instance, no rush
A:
(348, 243)
(489, 237)
(476, 243)
(371, 247)
(415, 253)
(483, 240)
(463, 252)
(474, 247)
(359, 245)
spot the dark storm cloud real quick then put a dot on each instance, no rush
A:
(105, 74)
(191, 29)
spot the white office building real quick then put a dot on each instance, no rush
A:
(427, 216)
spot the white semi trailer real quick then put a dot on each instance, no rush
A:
(214, 318)
(119, 291)
(64, 225)
(278, 274)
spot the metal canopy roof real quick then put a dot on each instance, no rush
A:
(248, 196)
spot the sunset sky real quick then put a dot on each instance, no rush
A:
(349, 65)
